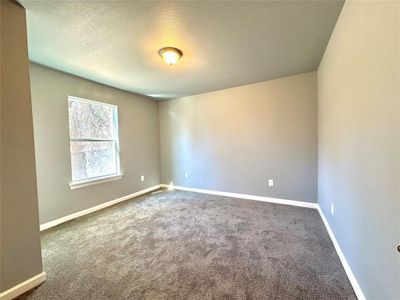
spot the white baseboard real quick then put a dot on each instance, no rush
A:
(23, 287)
(244, 196)
(346, 266)
(95, 208)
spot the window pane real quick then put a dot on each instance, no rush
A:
(92, 159)
(90, 120)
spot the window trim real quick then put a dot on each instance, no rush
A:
(109, 177)
(94, 180)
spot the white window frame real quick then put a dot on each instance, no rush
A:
(98, 179)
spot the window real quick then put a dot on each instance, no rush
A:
(93, 131)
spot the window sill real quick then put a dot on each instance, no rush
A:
(93, 181)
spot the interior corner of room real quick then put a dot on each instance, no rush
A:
(229, 144)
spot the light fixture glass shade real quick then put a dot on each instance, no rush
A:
(170, 55)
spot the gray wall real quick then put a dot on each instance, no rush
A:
(359, 135)
(234, 140)
(138, 134)
(20, 243)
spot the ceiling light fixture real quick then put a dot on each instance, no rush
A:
(170, 55)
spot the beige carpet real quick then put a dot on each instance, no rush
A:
(182, 245)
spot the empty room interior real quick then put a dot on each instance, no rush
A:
(200, 149)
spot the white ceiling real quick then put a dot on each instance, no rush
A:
(224, 44)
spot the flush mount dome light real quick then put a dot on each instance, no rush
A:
(170, 55)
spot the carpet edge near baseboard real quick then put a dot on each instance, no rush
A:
(92, 209)
(346, 266)
(23, 287)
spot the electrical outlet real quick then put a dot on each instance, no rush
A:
(332, 209)
(270, 182)
(142, 178)
(186, 175)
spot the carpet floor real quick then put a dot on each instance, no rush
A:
(183, 245)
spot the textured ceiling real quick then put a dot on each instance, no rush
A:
(224, 44)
